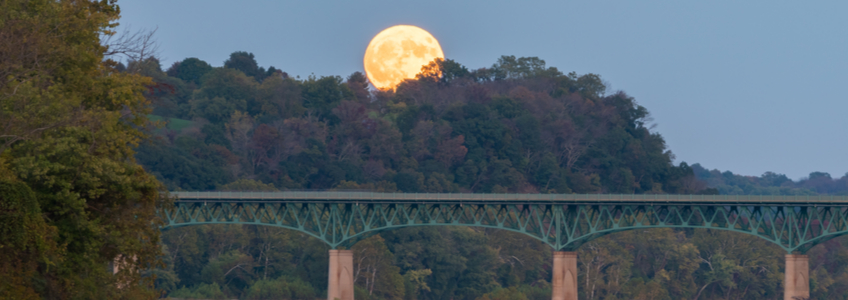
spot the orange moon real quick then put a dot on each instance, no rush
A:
(398, 53)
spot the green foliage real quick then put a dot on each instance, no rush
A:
(829, 270)
(71, 121)
(22, 226)
(202, 291)
(443, 71)
(190, 70)
(278, 98)
(172, 123)
(223, 91)
(282, 288)
(510, 293)
(27, 239)
(509, 67)
(216, 110)
(415, 283)
(375, 272)
(320, 95)
(244, 62)
(188, 165)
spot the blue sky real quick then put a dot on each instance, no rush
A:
(745, 86)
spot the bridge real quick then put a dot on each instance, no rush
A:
(563, 221)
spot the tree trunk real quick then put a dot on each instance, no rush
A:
(701, 290)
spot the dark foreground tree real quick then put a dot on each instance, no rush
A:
(72, 199)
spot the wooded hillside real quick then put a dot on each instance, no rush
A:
(518, 126)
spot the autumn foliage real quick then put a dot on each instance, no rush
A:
(517, 127)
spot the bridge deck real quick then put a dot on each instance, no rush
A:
(373, 197)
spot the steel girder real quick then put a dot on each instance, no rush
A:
(564, 227)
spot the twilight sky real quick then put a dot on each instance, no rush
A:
(745, 86)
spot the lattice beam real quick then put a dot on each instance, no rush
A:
(793, 227)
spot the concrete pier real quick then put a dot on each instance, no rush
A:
(565, 276)
(796, 280)
(340, 283)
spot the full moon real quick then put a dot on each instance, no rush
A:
(398, 53)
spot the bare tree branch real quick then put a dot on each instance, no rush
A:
(134, 45)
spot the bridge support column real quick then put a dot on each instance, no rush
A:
(796, 280)
(340, 283)
(565, 276)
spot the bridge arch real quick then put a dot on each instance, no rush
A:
(349, 240)
(573, 246)
(564, 227)
(562, 221)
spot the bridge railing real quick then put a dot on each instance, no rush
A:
(357, 196)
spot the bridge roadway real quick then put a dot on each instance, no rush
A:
(563, 221)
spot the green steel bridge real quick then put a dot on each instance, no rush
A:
(563, 221)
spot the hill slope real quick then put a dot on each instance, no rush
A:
(516, 127)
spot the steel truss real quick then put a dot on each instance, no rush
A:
(795, 227)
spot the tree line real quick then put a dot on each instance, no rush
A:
(770, 183)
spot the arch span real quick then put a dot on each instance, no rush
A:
(564, 227)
